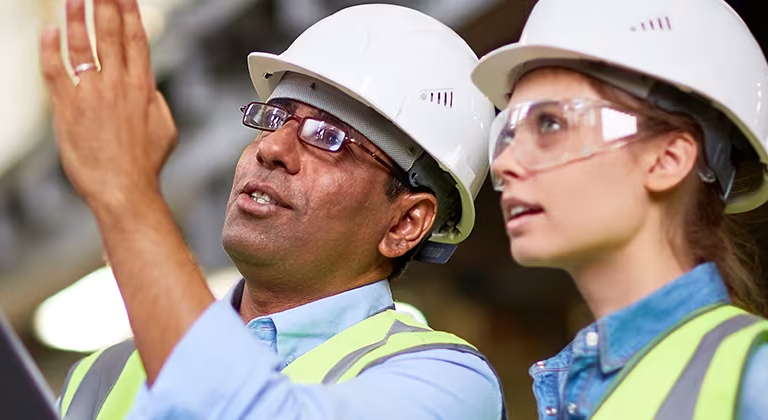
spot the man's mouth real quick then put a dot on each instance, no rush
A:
(264, 194)
(263, 198)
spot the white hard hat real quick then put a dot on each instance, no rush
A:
(410, 68)
(700, 47)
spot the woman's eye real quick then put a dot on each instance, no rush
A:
(548, 124)
(508, 134)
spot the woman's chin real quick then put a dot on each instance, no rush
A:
(528, 256)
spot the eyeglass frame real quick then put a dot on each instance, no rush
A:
(397, 172)
(705, 173)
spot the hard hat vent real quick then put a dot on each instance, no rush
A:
(651, 25)
(442, 97)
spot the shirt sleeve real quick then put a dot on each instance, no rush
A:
(753, 401)
(218, 371)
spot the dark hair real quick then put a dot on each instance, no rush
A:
(709, 234)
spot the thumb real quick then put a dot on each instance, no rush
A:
(162, 128)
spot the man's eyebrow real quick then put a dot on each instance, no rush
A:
(292, 106)
(336, 121)
(286, 104)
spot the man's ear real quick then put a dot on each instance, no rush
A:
(414, 215)
(671, 162)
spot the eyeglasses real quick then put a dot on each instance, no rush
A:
(543, 135)
(314, 132)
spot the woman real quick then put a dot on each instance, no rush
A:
(629, 128)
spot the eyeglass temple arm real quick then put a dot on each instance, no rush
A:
(397, 171)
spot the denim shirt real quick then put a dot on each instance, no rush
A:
(569, 385)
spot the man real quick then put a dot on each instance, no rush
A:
(372, 147)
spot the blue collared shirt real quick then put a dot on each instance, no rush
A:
(223, 370)
(569, 385)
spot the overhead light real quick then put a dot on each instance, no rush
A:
(90, 314)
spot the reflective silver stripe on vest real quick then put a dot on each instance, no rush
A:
(680, 403)
(64, 388)
(105, 371)
(98, 382)
(347, 361)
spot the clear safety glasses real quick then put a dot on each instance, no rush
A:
(314, 132)
(542, 135)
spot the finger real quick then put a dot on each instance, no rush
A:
(109, 29)
(134, 39)
(79, 45)
(54, 71)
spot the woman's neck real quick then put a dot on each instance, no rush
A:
(622, 276)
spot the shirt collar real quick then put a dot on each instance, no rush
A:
(300, 329)
(625, 332)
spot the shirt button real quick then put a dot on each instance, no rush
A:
(572, 407)
(592, 339)
(541, 364)
(550, 411)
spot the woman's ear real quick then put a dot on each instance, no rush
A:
(671, 161)
(413, 219)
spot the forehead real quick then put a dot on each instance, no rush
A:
(551, 83)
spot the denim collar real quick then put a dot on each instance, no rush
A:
(625, 332)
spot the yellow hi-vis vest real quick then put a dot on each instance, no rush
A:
(691, 372)
(104, 385)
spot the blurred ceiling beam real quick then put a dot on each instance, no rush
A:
(499, 24)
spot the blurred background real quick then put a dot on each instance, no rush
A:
(63, 303)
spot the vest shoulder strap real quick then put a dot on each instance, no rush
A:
(726, 371)
(92, 380)
(121, 397)
(669, 378)
(371, 342)
(328, 362)
(104, 385)
(74, 379)
(399, 344)
(442, 341)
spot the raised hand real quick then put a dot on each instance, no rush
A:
(115, 132)
(113, 128)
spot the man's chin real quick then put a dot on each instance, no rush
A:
(251, 249)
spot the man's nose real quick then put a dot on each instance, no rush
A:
(281, 149)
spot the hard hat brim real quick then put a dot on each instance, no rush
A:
(491, 75)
